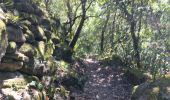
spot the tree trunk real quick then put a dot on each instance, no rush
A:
(135, 43)
(78, 31)
(103, 31)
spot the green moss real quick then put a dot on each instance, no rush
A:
(11, 47)
(137, 76)
(2, 25)
(157, 90)
(18, 82)
(27, 49)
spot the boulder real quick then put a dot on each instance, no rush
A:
(17, 56)
(12, 47)
(16, 86)
(24, 7)
(46, 24)
(137, 76)
(28, 50)
(29, 37)
(22, 94)
(157, 90)
(15, 34)
(14, 66)
(7, 79)
(38, 11)
(63, 53)
(48, 34)
(38, 32)
(33, 19)
(34, 67)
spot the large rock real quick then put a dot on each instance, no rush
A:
(137, 76)
(38, 33)
(24, 7)
(28, 50)
(46, 24)
(30, 38)
(11, 66)
(7, 79)
(15, 34)
(16, 86)
(17, 56)
(34, 67)
(22, 94)
(63, 53)
(158, 90)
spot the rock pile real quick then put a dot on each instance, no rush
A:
(25, 31)
(29, 29)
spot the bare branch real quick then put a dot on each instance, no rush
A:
(89, 5)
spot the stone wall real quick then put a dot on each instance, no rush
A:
(29, 29)
(26, 32)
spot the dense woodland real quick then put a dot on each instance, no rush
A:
(84, 50)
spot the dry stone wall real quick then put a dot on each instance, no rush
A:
(26, 31)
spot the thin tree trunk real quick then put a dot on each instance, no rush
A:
(135, 43)
(112, 33)
(78, 31)
(103, 31)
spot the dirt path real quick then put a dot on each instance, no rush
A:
(104, 83)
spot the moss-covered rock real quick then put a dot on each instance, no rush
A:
(63, 53)
(12, 47)
(29, 37)
(15, 34)
(11, 66)
(16, 86)
(157, 90)
(17, 56)
(24, 7)
(46, 23)
(33, 68)
(38, 33)
(137, 76)
(28, 50)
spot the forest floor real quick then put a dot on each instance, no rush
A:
(104, 83)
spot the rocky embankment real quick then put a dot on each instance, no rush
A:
(26, 35)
